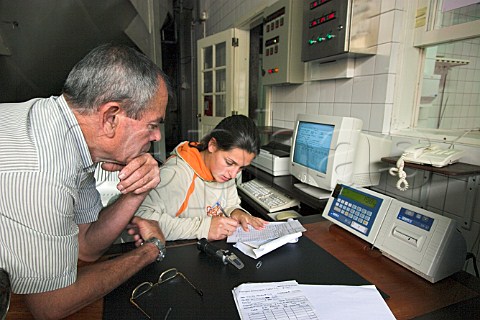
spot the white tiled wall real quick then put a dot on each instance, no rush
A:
(369, 95)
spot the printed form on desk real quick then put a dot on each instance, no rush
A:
(290, 300)
(256, 243)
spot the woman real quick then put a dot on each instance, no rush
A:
(197, 195)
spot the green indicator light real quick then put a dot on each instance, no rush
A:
(311, 41)
(329, 36)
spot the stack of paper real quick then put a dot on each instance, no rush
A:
(274, 300)
(256, 243)
(289, 300)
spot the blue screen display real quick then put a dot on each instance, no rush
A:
(312, 145)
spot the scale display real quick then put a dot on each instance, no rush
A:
(355, 209)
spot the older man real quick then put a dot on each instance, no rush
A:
(50, 212)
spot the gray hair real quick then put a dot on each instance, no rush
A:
(114, 73)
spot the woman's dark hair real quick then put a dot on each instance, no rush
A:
(236, 131)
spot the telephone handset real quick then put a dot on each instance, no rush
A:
(423, 154)
(416, 151)
(431, 154)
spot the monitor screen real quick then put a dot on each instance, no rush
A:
(323, 150)
(327, 150)
(312, 145)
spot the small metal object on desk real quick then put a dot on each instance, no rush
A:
(226, 256)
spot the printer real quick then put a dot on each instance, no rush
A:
(422, 241)
(273, 158)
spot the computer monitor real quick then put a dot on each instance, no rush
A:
(327, 150)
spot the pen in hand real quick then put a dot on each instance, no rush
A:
(221, 208)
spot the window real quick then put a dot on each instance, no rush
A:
(450, 86)
(445, 50)
(451, 75)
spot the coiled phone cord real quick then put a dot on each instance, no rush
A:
(402, 183)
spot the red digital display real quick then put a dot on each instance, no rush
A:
(317, 3)
(325, 18)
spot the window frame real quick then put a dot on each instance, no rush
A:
(407, 100)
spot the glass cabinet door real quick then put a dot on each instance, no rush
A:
(221, 86)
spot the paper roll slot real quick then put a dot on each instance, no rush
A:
(408, 237)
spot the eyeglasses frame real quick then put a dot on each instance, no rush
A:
(159, 282)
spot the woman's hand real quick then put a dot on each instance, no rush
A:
(221, 227)
(245, 219)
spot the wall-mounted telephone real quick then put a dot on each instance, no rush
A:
(431, 154)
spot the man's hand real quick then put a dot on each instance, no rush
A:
(221, 227)
(245, 219)
(143, 229)
(139, 175)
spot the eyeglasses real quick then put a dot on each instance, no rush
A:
(165, 276)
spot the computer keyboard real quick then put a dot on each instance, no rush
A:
(266, 196)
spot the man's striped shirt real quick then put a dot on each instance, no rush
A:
(46, 188)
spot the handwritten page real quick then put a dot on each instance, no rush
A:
(273, 230)
(276, 300)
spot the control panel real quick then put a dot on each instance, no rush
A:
(282, 45)
(358, 210)
(334, 29)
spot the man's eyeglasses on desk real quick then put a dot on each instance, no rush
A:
(165, 276)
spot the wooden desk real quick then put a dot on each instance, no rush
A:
(410, 295)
